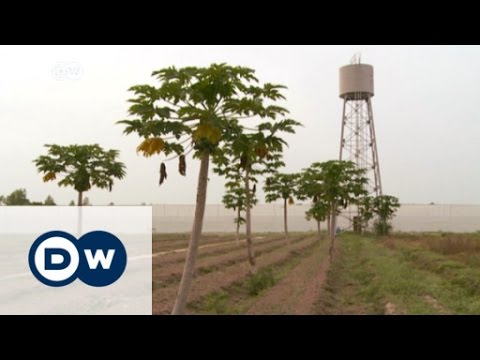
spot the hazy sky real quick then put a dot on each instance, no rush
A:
(426, 112)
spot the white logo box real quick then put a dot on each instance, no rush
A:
(22, 293)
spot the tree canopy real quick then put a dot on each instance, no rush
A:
(200, 109)
(49, 201)
(17, 198)
(281, 186)
(81, 166)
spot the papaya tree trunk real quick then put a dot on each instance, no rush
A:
(285, 222)
(237, 235)
(80, 198)
(248, 225)
(334, 226)
(332, 231)
(328, 225)
(80, 214)
(319, 231)
(189, 268)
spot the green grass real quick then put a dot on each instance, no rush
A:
(224, 301)
(370, 272)
(260, 281)
(216, 303)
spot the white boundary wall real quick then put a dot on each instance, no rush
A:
(269, 218)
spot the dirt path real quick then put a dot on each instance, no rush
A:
(298, 292)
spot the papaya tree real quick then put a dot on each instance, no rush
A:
(365, 211)
(235, 199)
(310, 187)
(81, 167)
(343, 184)
(194, 109)
(384, 207)
(319, 212)
(284, 187)
(253, 154)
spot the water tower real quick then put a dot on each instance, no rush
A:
(358, 142)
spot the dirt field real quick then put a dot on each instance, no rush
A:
(223, 285)
(402, 274)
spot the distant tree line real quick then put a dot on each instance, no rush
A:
(19, 198)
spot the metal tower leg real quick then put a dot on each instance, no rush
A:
(358, 143)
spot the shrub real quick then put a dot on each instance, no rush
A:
(260, 281)
(382, 227)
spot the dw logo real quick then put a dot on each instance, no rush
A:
(57, 258)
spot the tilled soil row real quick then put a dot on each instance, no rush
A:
(298, 292)
(173, 244)
(164, 298)
(170, 273)
(240, 298)
(163, 260)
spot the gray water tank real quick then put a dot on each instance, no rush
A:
(356, 82)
